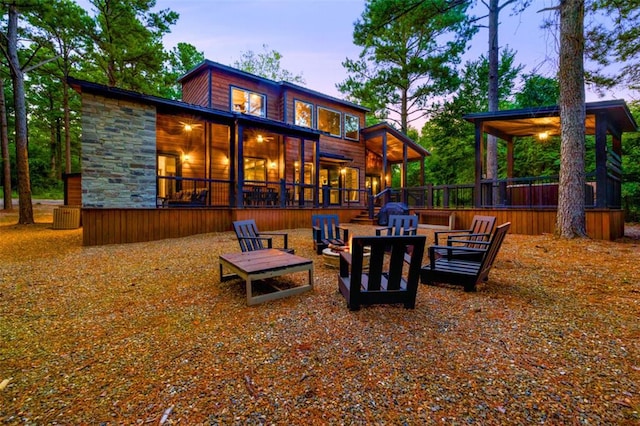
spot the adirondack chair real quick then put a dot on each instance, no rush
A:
(400, 224)
(388, 280)
(327, 230)
(480, 231)
(466, 272)
(251, 239)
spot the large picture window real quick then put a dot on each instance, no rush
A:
(304, 114)
(248, 102)
(329, 121)
(351, 127)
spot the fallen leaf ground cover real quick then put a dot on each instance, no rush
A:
(147, 333)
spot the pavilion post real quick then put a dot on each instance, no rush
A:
(601, 161)
(477, 192)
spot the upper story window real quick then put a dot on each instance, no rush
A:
(248, 102)
(329, 121)
(351, 127)
(304, 114)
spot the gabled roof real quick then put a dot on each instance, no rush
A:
(532, 121)
(213, 114)
(395, 142)
(207, 64)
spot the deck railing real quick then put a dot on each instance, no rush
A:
(529, 192)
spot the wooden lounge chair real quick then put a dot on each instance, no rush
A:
(400, 224)
(251, 239)
(327, 230)
(480, 231)
(464, 271)
(388, 280)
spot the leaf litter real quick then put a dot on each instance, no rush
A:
(146, 333)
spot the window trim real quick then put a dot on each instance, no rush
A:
(248, 94)
(357, 138)
(311, 116)
(318, 108)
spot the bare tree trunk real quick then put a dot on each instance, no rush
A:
(22, 151)
(6, 163)
(492, 141)
(67, 126)
(570, 221)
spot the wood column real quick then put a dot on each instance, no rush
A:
(601, 161)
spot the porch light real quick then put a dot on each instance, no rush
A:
(273, 165)
(185, 158)
(543, 136)
(260, 139)
(187, 127)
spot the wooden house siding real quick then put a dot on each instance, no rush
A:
(196, 90)
(220, 152)
(117, 226)
(601, 224)
(72, 189)
(222, 82)
(171, 138)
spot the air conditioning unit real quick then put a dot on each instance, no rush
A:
(66, 218)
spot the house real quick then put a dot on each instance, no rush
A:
(235, 141)
(240, 146)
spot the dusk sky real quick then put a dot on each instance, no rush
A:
(315, 36)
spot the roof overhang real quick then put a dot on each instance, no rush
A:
(169, 106)
(374, 137)
(331, 157)
(533, 121)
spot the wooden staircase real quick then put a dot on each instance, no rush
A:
(363, 217)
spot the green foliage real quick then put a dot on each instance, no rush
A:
(410, 50)
(267, 65)
(631, 171)
(127, 48)
(449, 137)
(612, 38)
(537, 91)
(181, 59)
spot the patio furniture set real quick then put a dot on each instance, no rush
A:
(380, 269)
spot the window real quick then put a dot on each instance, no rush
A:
(351, 127)
(304, 114)
(255, 169)
(248, 102)
(329, 121)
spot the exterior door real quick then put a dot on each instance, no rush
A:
(330, 176)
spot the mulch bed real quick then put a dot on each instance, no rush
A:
(147, 333)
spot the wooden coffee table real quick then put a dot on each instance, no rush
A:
(268, 263)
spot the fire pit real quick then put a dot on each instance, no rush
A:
(331, 256)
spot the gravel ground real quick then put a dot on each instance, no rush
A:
(147, 333)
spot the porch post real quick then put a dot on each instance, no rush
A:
(384, 161)
(232, 164)
(477, 193)
(301, 173)
(405, 196)
(316, 173)
(239, 164)
(601, 161)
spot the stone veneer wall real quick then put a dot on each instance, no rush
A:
(118, 153)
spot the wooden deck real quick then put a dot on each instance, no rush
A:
(116, 226)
